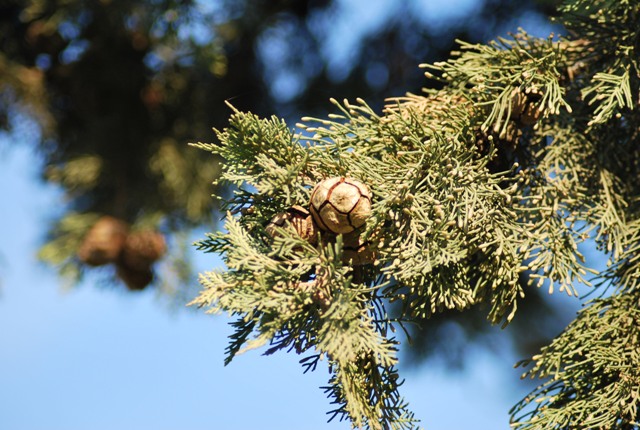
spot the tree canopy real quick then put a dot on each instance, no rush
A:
(480, 189)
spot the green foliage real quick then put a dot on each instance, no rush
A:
(615, 92)
(593, 371)
(495, 70)
(66, 239)
(527, 150)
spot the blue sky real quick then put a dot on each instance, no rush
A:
(98, 358)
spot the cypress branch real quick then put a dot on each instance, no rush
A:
(528, 150)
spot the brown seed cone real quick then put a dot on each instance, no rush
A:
(134, 279)
(300, 219)
(103, 242)
(142, 249)
(531, 114)
(518, 102)
(340, 205)
(524, 105)
(356, 251)
(319, 290)
(511, 133)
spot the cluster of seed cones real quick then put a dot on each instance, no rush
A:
(110, 241)
(338, 205)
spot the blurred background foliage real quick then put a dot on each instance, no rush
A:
(118, 88)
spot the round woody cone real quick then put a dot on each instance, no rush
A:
(340, 205)
(301, 221)
(103, 242)
(134, 279)
(356, 251)
(142, 249)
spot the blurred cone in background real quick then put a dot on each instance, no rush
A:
(134, 279)
(103, 242)
(142, 249)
